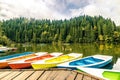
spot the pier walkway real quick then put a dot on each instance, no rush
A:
(44, 74)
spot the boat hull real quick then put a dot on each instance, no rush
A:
(3, 64)
(43, 66)
(111, 75)
(20, 65)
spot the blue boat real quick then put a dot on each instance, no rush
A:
(15, 55)
(95, 61)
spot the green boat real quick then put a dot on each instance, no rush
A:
(111, 75)
(102, 73)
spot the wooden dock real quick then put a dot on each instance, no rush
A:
(48, 74)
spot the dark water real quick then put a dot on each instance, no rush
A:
(86, 49)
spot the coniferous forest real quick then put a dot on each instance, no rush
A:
(82, 29)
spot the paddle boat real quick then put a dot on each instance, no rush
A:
(26, 63)
(102, 73)
(4, 62)
(55, 61)
(95, 61)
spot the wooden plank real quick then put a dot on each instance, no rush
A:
(72, 76)
(4, 74)
(49, 74)
(90, 75)
(35, 75)
(86, 77)
(62, 75)
(94, 79)
(52, 75)
(5, 70)
(45, 75)
(11, 75)
(79, 77)
(23, 75)
(1, 72)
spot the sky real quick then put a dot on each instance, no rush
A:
(59, 9)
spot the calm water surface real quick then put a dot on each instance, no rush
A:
(86, 49)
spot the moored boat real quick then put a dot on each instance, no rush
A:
(55, 61)
(27, 56)
(95, 61)
(26, 63)
(4, 62)
(102, 73)
(3, 49)
(6, 49)
(15, 55)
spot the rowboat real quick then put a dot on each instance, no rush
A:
(102, 73)
(27, 56)
(15, 55)
(26, 63)
(4, 60)
(95, 61)
(55, 61)
(3, 49)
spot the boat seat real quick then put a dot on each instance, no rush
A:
(90, 61)
(79, 63)
(93, 60)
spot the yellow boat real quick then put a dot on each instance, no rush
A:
(55, 61)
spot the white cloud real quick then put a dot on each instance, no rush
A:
(92, 10)
(59, 9)
(27, 8)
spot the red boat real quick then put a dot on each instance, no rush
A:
(27, 63)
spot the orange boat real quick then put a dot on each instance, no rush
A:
(4, 63)
(27, 63)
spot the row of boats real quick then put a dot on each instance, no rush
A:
(43, 60)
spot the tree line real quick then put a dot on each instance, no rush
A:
(82, 29)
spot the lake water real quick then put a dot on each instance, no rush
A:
(86, 49)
